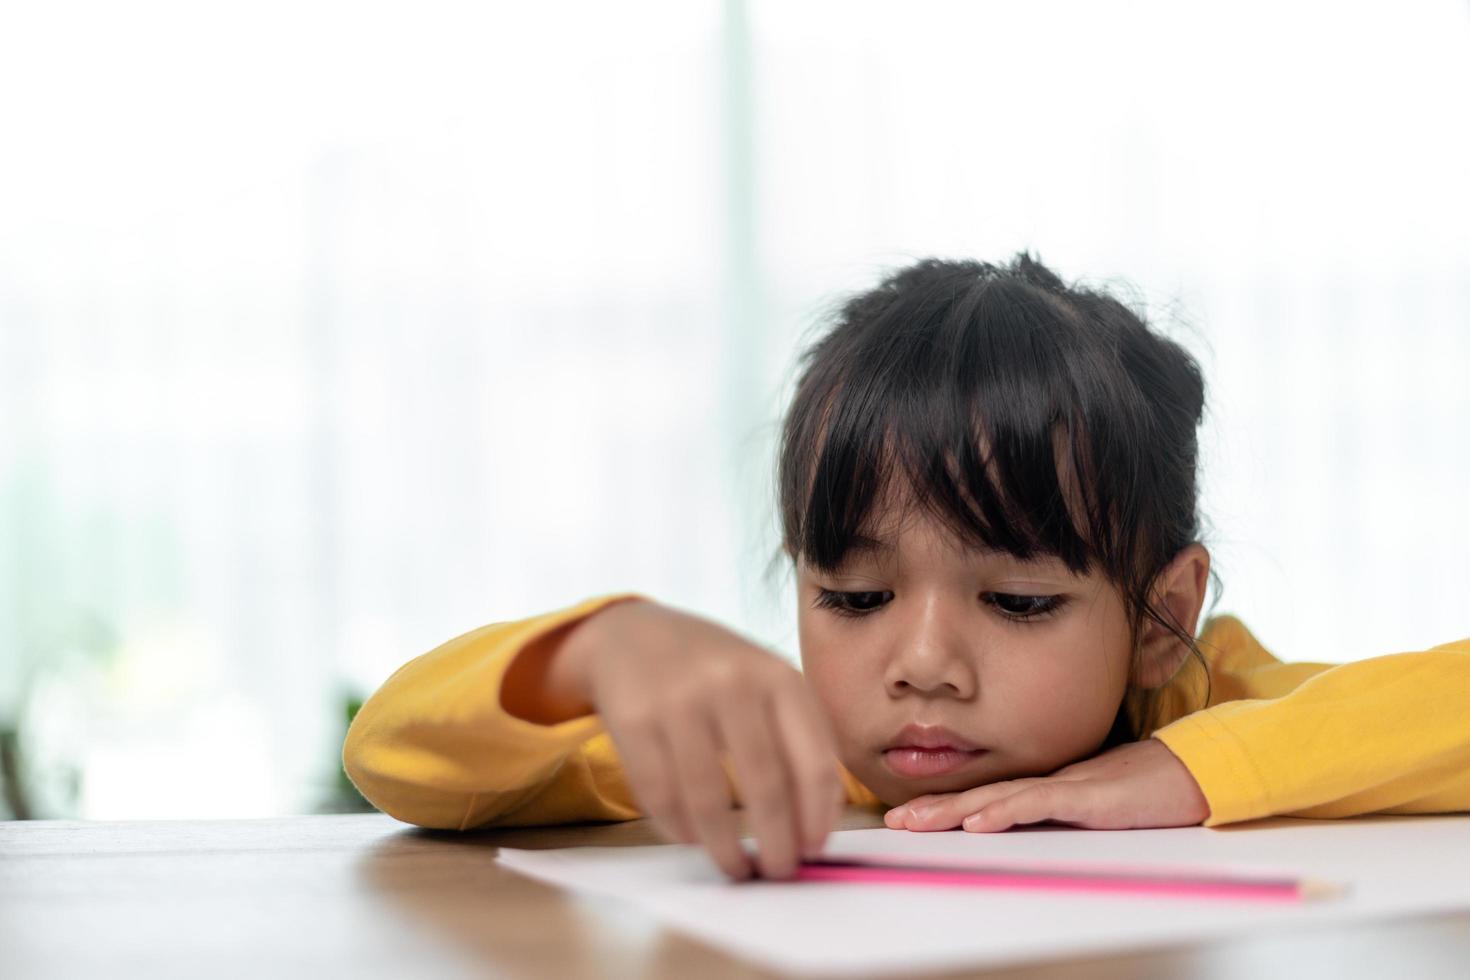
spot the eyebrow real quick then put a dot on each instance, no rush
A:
(863, 543)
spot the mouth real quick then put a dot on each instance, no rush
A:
(928, 750)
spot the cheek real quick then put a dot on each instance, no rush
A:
(1070, 685)
(833, 667)
(1060, 697)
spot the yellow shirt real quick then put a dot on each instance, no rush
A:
(434, 747)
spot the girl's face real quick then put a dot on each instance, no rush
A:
(1018, 667)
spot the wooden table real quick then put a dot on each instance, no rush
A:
(365, 896)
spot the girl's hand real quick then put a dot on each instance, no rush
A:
(1140, 784)
(676, 692)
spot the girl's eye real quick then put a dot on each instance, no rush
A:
(851, 603)
(1019, 608)
(1024, 607)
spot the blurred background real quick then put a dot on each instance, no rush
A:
(330, 331)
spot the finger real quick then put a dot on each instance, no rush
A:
(704, 792)
(895, 817)
(650, 771)
(817, 792)
(949, 811)
(1043, 801)
(764, 783)
(811, 749)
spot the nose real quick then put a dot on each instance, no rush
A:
(932, 654)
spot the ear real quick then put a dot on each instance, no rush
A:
(1178, 593)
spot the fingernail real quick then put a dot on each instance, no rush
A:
(920, 811)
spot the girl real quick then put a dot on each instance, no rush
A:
(988, 495)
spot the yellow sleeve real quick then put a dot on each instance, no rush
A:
(434, 747)
(1386, 735)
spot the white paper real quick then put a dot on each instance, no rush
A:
(1389, 866)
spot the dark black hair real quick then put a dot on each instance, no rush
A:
(985, 389)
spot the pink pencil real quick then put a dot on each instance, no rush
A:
(1095, 878)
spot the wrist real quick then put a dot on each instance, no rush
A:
(547, 682)
(1191, 795)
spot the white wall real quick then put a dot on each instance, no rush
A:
(328, 332)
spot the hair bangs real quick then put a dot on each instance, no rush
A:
(976, 427)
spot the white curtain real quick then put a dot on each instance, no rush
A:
(330, 331)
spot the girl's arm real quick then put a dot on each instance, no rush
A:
(1385, 735)
(491, 729)
(436, 746)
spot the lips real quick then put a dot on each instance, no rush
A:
(929, 750)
